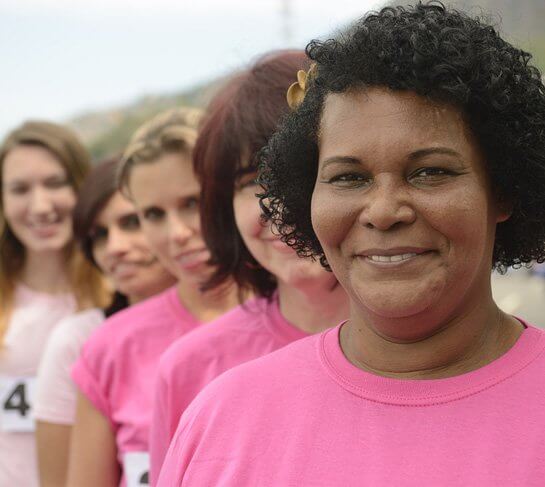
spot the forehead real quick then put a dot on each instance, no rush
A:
(378, 119)
(168, 177)
(29, 162)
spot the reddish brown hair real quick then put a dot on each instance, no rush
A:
(238, 123)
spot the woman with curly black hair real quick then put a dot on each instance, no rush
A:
(412, 165)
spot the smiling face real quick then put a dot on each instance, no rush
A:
(267, 248)
(38, 199)
(166, 194)
(122, 252)
(403, 209)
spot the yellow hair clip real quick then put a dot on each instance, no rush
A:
(296, 92)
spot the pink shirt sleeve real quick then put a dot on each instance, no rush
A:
(161, 430)
(86, 374)
(56, 392)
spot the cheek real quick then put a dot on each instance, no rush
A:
(247, 217)
(99, 255)
(331, 222)
(14, 208)
(465, 219)
(139, 243)
(195, 223)
(156, 234)
(65, 200)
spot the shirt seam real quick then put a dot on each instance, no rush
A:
(421, 401)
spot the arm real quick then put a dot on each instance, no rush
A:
(53, 444)
(93, 452)
(160, 434)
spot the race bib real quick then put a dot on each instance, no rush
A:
(16, 399)
(136, 468)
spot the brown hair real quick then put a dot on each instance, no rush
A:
(172, 131)
(85, 280)
(97, 188)
(239, 121)
(95, 192)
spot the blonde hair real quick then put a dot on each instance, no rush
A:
(86, 282)
(174, 130)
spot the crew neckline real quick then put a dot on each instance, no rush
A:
(26, 293)
(277, 324)
(178, 311)
(426, 392)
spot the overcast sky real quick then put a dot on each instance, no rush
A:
(60, 58)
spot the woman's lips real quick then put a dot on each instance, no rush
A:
(277, 244)
(194, 258)
(45, 230)
(123, 269)
(393, 257)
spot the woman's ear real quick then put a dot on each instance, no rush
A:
(504, 210)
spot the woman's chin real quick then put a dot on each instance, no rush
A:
(398, 304)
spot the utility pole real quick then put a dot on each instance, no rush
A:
(287, 19)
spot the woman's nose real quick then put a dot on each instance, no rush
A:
(40, 201)
(180, 230)
(118, 242)
(387, 205)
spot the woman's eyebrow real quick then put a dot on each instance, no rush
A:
(419, 154)
(340, 160)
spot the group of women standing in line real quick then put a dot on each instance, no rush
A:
(408, 159)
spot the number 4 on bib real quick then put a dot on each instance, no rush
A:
(16, 401)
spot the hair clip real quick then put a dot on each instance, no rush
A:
(297, 91)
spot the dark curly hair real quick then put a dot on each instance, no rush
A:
(448, 57)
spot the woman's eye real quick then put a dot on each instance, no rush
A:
(431, 173)
(130, 222)
(20, 189)
(246, 180)
(252, 183)
(99, 234)
(56, 183)
(349, 179)
(153, 214)
(191, 203)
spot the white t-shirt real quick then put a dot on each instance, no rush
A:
(56, 393)
(34, 316)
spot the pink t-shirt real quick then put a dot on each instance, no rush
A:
(56, 393)
(245, 333)
(34, 317)
(305, 416)
(117, 367)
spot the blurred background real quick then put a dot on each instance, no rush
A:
(105, 66)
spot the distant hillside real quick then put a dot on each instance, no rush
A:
(107, 132)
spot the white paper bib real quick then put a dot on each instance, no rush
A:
(16, 400)
(136, 467)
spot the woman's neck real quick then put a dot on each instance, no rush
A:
(206, 306)
(315, 308)
(461, 344)
(46, 272)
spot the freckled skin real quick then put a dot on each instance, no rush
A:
(399, 191)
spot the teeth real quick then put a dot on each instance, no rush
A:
(45, 222)
(390, 258)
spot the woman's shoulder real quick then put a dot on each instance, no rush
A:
(75, 328)
(236, 327)
(128, 326)
(280, 371)
(155, 307)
